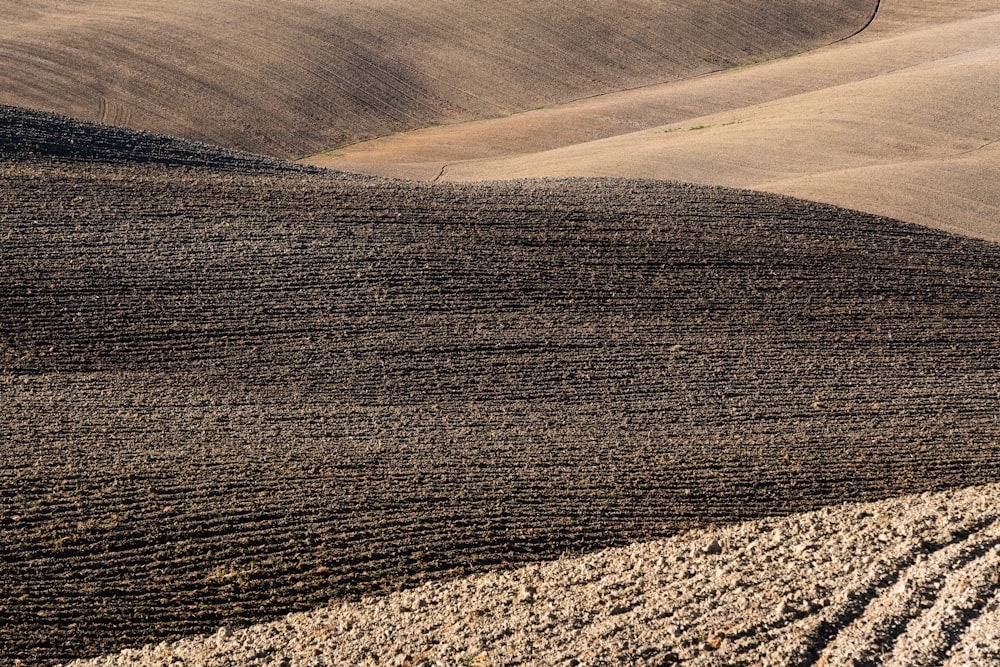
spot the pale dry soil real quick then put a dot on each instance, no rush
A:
(235, 388)
(908, 581)
(303, 75)
(901, 120)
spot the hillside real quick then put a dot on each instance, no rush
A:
(300, 77)
(235, 389)
(901, 121)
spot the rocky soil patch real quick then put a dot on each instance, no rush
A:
(911, 581)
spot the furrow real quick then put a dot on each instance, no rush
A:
(979, 643)
(911, 585)
(958, 601)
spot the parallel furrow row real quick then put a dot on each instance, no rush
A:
(233, 389)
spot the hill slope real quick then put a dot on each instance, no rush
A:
(901, 121)
(303, 76)
(231, 393)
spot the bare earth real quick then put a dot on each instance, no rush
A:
(902, 120)
(236, 388)
(485, 416)
(909, 581)
(301, 76)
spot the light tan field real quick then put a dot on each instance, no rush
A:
(897, 120)
(301, 76)
(901, 120)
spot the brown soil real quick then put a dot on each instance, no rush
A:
(302, 76)
(901, 582)
(244, 388)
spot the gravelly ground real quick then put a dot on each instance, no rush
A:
(234, 389)
(909, 581)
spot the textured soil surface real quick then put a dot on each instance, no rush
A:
(911, 581)
(235, 388)
(307, 75)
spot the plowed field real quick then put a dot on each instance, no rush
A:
(232, 388)
(900, 582)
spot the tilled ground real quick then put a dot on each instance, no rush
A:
(303, 76)
(905, 581)
(236, 390)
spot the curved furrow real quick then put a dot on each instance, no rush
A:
(979, 643)
(912, 586)
(743, 594)
(851, 621)
(948, 612)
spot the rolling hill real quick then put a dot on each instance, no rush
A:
(305, 76)
(901, 120)
(236, 387)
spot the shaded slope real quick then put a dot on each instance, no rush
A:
(305, 76)
(28, 135)
(232, 395)
(890, 122)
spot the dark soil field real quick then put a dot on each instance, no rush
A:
(233, 388)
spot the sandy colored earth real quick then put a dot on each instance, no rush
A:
(897, 120)
(901, 120)
(301, 76)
